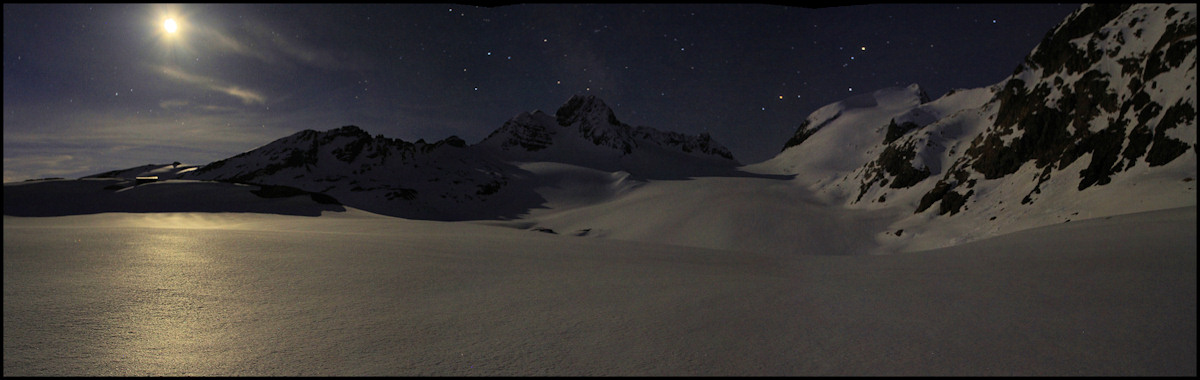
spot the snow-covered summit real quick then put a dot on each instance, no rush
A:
(849, 130)
(586, 132)
(892, 98)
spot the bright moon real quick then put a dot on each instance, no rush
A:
(170, 25)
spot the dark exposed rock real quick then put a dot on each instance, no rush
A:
(952, 202)
(933, 195)
(1044, 133)
(1056, 51)
(1166, 149)
(802, 133)
(898, 163)
(702, 143)
(406, 194)
(597, 123)
(1139, 140)
(580, 106)
(1106, 148)
(895, 161)
(489, 188)
(530, 136)
(895, 131)
(1161, 61)
(807, 129)
(278, 191)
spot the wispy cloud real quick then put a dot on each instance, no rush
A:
(225, 43)
(172, 103)
(44, 143)
(179, 104)
(299, 52)
(35, 165)
(265, 43)
(245, 95)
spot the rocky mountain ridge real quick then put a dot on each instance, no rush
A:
(586, 132)
(1106, 99)
(451, 180)
(1100, 96)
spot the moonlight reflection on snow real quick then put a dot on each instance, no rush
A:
(358, 294)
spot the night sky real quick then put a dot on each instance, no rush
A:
(92, 88)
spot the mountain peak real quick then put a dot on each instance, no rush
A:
(921, 94)
(350, 130)
(585, 107)
(585, 132)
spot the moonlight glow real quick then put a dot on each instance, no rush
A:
(170, 25)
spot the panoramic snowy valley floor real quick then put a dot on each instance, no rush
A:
(353, 293)
(1044, 224)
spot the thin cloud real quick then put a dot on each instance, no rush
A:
(246, 96)
(223, 42)
(93, 141)
(177, 104)
(271, 47)
(173, 103)
(308, 56)
(35, 165)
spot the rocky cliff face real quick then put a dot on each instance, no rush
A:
(1112, 87)
(590, 119)
(1108, 90)
(1099, 119)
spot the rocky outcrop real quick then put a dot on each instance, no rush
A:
(1080, 94)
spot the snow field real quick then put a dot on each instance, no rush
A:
(353, 293)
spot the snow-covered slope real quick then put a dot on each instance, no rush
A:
(1099, 120)
(845, 136)
(745, 214)
(350, 294)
